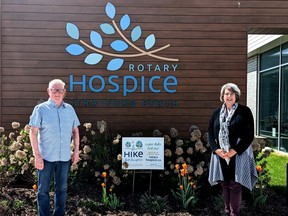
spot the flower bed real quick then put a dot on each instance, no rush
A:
(181, 187)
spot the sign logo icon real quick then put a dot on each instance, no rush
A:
(119, 46)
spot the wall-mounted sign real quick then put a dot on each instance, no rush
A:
(122, 43)
(145, 153)
(130, 42)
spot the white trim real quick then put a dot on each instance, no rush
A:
(262, 43)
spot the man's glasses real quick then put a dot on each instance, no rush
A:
(53, 90)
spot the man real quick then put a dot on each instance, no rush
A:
(53, 123)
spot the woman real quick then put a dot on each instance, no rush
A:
(231, 131)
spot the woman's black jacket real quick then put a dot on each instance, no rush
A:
(241, 129)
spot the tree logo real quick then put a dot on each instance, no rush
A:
(119, 45)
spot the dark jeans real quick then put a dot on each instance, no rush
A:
(60, 171)
(232, 192)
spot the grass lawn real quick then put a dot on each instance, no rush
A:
(277, 168)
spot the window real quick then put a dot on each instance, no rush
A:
(270, 58)
(268, 101)
(273, 97)
(284, 53)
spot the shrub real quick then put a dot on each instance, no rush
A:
(16, 156)
(18, 204)
(89, 204)
(114, 202)
(194, 152)
(260, 193)
(4, 205)
(154, 204)
(99, 153)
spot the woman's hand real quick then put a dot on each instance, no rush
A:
(221, 153)
(230, 153)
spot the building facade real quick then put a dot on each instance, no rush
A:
(267, 87)
(138, 65)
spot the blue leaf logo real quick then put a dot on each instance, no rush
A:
(115, 64)
(96, 39)
(118, 45)
(107, 28)
(136, 33)
(150, 41)
(93, 58)
(110, 10)
(125, 22)
(73, 31)
(75, 49)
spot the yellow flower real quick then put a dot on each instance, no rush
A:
(259, 168)
(177, 166)
(103, 185)
(181, 187)
(104, 175)
(34, 187)
(182, 172)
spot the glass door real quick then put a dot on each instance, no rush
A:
(269, 103)
(284, 110)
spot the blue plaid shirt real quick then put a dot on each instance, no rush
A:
(55, 129)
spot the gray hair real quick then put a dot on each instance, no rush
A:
(56, 81)
(231, 87)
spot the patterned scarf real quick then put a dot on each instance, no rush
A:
(224, 120)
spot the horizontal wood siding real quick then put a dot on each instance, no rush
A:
(208, 37)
